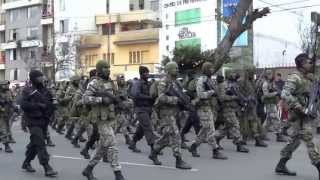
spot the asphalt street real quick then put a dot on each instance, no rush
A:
(257, 165)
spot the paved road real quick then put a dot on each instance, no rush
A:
(257, 165)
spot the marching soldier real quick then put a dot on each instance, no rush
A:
(269, 98)
(168, 107)
(6, 106)
(100, 96)
(229, 101)
(296, 94)
(207, 110)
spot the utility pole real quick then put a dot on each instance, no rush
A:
(109, 31)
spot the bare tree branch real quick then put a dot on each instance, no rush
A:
(235, 29)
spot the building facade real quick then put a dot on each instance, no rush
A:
(24, 46)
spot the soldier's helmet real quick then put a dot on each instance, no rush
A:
(206, 66)
(75, 78)
(171, 67)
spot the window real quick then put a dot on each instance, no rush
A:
(13, 54)
(144, 56)
(14, 73)
(167, 26)
(167, 38)
(32, 54)
(62, 5)
(131, 7)
(14, 15)
(130, 57)
(167, 48)
(32, 33)
(104, 56)
(141, 4)
(112, 58)
(167, 16)
(108, 6)
(32, 12)
(12, 34)
(105, 29)
(136, 57)
(64, 26)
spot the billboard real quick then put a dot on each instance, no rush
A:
(228, 9)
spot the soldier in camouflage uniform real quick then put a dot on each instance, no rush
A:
(124, 111)
(68, 98)
(269, 98)
(249, 117)
(100, 96)
(229, 101)
(62, 111)
(76, 111)
(295, 94)
(168, 108)
(5, 109)
(207, 110)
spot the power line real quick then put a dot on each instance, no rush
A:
(302, 7)
(273, 5)
(282, 4)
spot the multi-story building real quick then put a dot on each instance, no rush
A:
(2, 40)
(126, 41)
(25, 30)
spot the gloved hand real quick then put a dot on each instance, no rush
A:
(106, 101)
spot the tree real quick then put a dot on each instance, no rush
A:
(240, 22)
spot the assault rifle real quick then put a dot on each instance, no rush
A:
(183, 100)
(242, 101)
(114, 99)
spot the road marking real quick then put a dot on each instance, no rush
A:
(126, 163)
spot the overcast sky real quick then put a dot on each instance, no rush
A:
(284, 24)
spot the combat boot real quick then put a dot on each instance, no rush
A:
(127, 139)
(105, 159)
(154, 156)
(11, 139)
(69, 133)
(193, 150)
(60, 129)
(118, 175)
(216, 154)
(7, 148)
(134, 148)
(87, 172)
(84, 152)
(242, 149)
(281, 138)
(27, 167)
(50, 143)
(318, 168)
(282, 169)
(48, 171)
(180, 164)
(260, 143)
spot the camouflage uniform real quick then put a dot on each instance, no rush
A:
(272, 122)
(229, 107)
(249, 118)
(62, 110)
(207, 112)
(5, 111)
(294, 94)
(168, 110)
(104, 116)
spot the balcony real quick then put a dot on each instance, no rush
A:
(133, 16)
(47, 15)
(137, 37)
(12, 4)
(31, 43)
(90, 41)
(9, 45)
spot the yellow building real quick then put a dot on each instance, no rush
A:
(134, 41)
